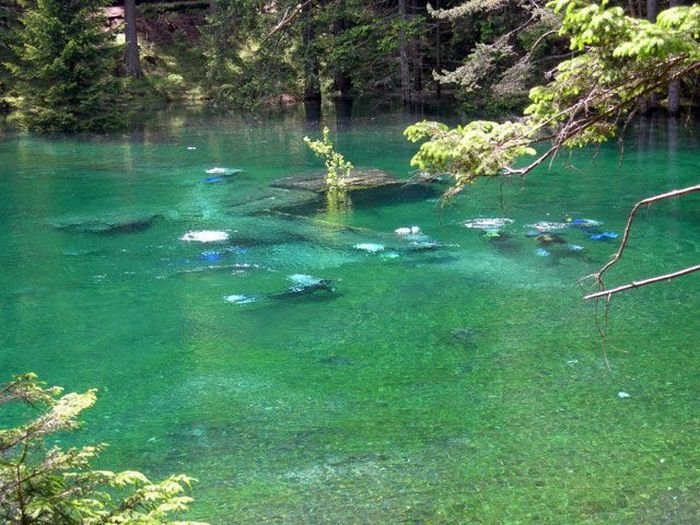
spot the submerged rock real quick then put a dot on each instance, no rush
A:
(487, 223)
(408, 230)
(547, 226)
(108, 225)
(275, 200)
(369, 247)
(359, 179)
(240, 299)
(223, 171)
(304, 285)
(604, 236)
(464, 335)
(546, 239)
(205, 236)
(334, 360)
(363, 185)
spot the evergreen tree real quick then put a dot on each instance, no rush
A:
(8, 17)
(41, 483)
(63, 64)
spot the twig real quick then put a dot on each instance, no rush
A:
(638, 284)
(287, 18)
(616, 257)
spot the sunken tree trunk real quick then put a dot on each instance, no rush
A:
(132, 59)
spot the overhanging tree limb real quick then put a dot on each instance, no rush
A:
(639, 284)
(630, 219)
(598, 276)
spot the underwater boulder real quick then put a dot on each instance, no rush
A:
(604, 236)
(369, 247)
(365, 186)
(240, 299)
(465, 336)
(216, 175)
(487, 223)
(548, 226)
(275, 200)
(205, 236)
(583, 224)
(303, 284)
(109, 225)
(545, 239)
(405, 231)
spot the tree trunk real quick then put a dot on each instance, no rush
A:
(649, 102)
(674, 88)
(342, 81)
(403, 55)
(674, 97)
(652, 10)
(132, 60)
(417, 6)
(312, 84)
(438, 50)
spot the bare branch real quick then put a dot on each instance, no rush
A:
(638, 284)
(287, 19)
(598, 276)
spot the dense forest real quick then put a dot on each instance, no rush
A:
(77, 65)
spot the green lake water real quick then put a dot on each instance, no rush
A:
(464, 384)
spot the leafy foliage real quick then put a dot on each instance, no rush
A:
(337, 168)
(45, 484)
(620, 60)
(479, 149)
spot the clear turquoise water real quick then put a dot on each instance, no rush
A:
(464, 385)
